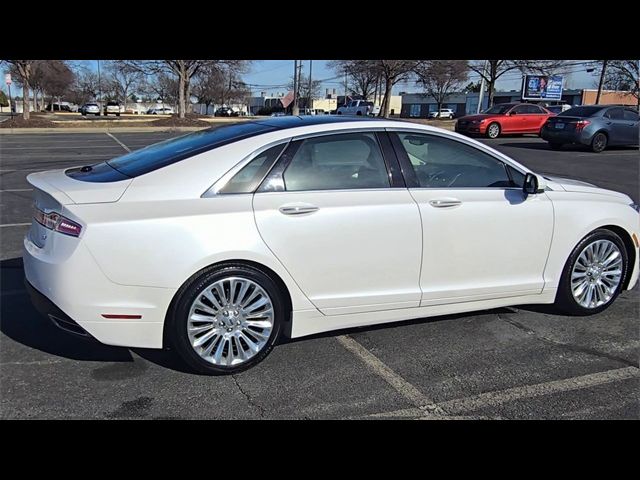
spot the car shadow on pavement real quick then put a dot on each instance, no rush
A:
(23, 324)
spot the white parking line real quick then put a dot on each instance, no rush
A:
(17, 190)
(15, 224)
(499, 397)
(119, 142)
(404, 388)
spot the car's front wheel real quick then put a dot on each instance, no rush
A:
(593, 275)
(226, 319)
(493, 130)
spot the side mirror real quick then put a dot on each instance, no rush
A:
(513, 113)
(533, 184)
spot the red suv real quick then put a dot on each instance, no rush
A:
(505, 118)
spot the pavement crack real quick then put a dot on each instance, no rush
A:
(568, 346)
(250, 400)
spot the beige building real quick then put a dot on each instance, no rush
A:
(608, 97)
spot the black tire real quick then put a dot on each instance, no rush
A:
(555, 146)
(359, 113)
(339, 113)
(177, 318)
(117, 114)
(564, 298)
(599, 142)
(489, 132)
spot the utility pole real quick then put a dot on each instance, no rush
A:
(345, 86)
(294, 110)
(309, 91)
(601, 83)
(99, 92)
(10, 107)
(481, 95)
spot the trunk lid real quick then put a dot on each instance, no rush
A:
(67, 190)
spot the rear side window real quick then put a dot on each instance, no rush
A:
(248, 179)
(173, 150)
(337, 162)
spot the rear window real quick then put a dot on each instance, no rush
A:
(173, 150)
(585, 111)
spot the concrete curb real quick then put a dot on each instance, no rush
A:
(13, 131)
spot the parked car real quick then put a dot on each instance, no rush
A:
(505, 118)
(90, 108)
(135, 110)
(359, 108)
(597, 126)
(160, 111)
(225, 112)
(443, 113)
(243, 221)
(558, 108)
(112, 108)
(59, 107)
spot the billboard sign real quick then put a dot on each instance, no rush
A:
(542, 87)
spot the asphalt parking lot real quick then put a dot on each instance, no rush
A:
(509, 363)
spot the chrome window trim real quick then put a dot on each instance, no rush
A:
(341, 131)
(214, 190)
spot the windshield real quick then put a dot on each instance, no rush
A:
(173, 150)
(584, 111)
(499, 109)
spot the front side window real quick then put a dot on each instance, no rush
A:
(337, 162)
(615, 114)
(443, 163)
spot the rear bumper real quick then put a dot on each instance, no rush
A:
(559, 136)
(72, 287)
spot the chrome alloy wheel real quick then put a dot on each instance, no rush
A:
(596, 274)
(230, 321)
(493, 130)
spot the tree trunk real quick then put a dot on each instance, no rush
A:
(490, 93)
(388, 85)
(25, 99)
(187, 90)
(181, 103)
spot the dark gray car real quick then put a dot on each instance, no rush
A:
(597, 126)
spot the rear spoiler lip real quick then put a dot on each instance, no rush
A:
(38, 182)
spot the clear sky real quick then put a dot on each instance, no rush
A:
(273, 76)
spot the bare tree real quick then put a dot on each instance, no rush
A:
(362, 75)
(441, 77)
(184, 70)
(623, 75)
(497, 68)
(23, 68)
(57, 78)
(391, 72)
(122, 77)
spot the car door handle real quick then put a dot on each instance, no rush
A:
(445, 203)
(298, 209)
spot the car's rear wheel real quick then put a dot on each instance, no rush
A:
(227, 319)
(593, 275)
(555, 146)
(599, 142)
(493, 130)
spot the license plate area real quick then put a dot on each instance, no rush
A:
(559, 126)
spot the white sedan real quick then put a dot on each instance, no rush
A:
(220, 241)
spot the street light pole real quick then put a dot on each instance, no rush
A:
(309, 91)
(294, 109)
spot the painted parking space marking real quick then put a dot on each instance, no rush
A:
(119, 142)
(499, 397)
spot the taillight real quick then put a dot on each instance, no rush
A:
(581, 124)
(55, 221)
